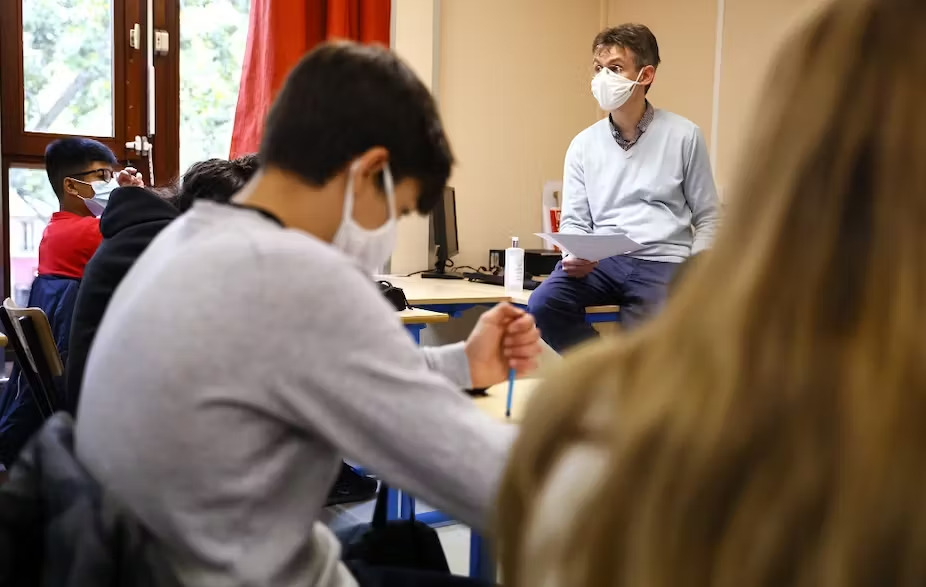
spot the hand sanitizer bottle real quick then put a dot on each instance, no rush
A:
(514, 268)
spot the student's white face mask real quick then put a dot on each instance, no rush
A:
(612, 90)
(101, 191)
(370, 248)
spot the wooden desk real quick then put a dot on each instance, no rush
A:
(494, 403)
(482, 565)
(521, 299)
(417, 319)
(454, 296)
(593, 313)
(413, 316)
(447, 292)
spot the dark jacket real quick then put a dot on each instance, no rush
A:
(19, 416)
(58, 528)
(133, 217)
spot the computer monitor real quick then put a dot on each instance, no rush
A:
(444, 237)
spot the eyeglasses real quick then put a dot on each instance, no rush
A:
(615, 68)
(105, 174)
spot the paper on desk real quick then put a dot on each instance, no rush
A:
(592, 247)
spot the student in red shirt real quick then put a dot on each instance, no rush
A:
(81, 173)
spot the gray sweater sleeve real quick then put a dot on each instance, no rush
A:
(701, 194)
(451, 362)
(370, 392)
(576, 215)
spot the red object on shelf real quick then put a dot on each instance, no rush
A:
(554, 223)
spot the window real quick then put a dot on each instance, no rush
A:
(86, 68)
(28, 233)
(213, 35)
(68, 67)
(31, 204)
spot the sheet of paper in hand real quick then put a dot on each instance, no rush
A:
(592, 247)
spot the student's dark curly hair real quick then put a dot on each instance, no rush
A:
(214, 179)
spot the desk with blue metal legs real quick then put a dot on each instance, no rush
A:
(452, 298)
(417, 319)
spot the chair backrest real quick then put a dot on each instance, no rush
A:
(46, 340)
(31, 336)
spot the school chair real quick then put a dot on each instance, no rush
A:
(31, 338)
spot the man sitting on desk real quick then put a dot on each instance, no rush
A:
(642, 171)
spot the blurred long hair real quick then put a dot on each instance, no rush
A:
(769, 427)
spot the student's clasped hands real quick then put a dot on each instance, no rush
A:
(504, 338)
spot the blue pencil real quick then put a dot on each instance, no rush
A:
(511, 376)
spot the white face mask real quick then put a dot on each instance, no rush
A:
(612, 90)
(370, 248)
(101, 191)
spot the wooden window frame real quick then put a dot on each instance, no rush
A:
(167, 95)
(20, 148)
(129, 83)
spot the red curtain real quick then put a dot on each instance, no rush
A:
(279, 34)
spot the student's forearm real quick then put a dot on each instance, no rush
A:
(451, 362)
(415, 430)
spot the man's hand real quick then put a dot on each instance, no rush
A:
(504, 338)
(578, 267)
(130, 177)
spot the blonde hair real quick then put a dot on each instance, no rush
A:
(769, 428)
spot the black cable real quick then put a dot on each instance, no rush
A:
(450, 265)
(471, 268)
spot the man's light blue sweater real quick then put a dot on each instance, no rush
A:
(660, 192)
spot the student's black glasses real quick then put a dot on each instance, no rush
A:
(105, 174)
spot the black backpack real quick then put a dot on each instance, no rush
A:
(394, 294)
(406, 544)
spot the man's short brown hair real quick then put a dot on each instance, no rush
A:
(635, 37)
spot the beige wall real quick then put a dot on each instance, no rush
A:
(753, 31)
(514, 91)
(686, 33)
(415, 31)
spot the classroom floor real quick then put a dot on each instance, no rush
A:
(454, 538)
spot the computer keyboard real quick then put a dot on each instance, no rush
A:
(498, 280)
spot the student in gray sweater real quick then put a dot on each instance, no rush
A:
(641, 171)
(248, 350)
